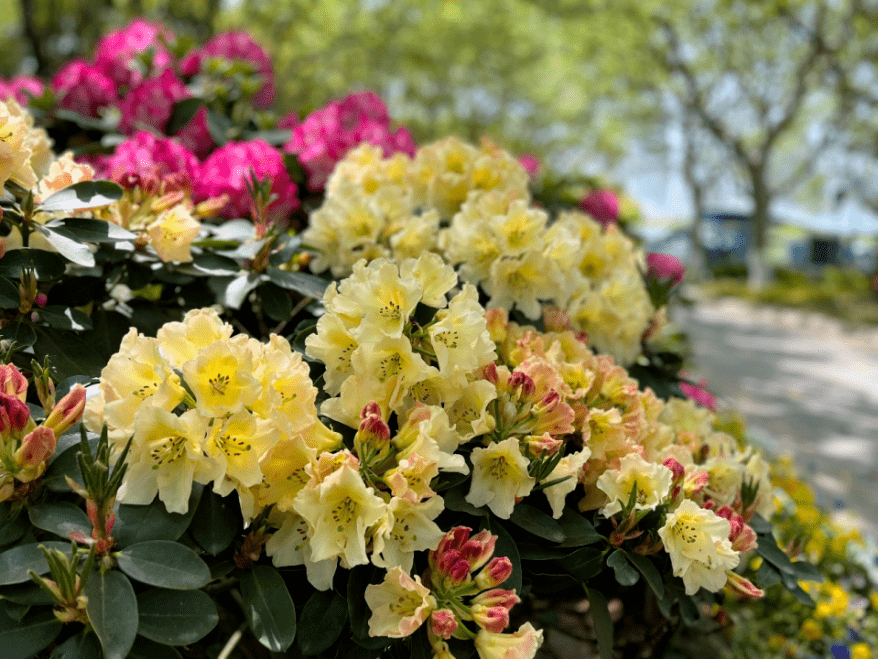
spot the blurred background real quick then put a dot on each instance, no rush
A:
(744, 132)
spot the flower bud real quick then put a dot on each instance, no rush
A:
(602, 205)
(36, 447)
(491, 618)
(68, 411)
(497, 597)
(479, 549)
(14, 414)
(41, 299)
(494, 573)
(12, 382)
(521, 385)
(443, 623)
(743, 586)
(540, 446)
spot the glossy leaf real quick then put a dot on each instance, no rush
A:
(322, 621)
(23, 640)
(238, 288)
(585, 563)
(79, 196)
(95, 231)
(176, 617)
(578, 531)
(79, 646)
(506, 546)
(69, 354)
(216, 523)
(47, 265)
(183, 112)
(275, 301)
(768, 575)
(112, 611)
(303, 283)
(135, 524)
(27, 593)
(650, 572)
(10, 298)
(15, 562)
(603, 623)
(68, 245)
(537, 522)
(59, 517)
(455, 499)
(164, 563)
(626, 575)
(12, 525)
(65, 318)
(144, 648)
(22, 334)
(269, 607)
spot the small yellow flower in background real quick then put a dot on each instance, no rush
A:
(776, 641)
(400, 604)
(499, 477)
(835, 605)
(873, 600)
(861, 651)
(811, 630)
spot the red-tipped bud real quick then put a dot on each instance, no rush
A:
(677, 469)
(67, 412)
(479, 549)
(548, 402)
(743, 586)
(522, 384)
(489, 373)
(443, 622)
(36, 447)
(370, 409)
(493, 619)
(453, 540)
(494, 573)
(14, 414)
(41, 299)
(497, 597)
(12, 382)
(543, 445)
(695, 482)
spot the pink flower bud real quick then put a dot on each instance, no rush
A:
(489, 373)
(497, 597)
(548, 403)
(68, 411)
(371, 409)
(494, 573)
(41, 299)
(522, 384)
(699, 394)
(454, 539)
(493, 619)
(665, 266)
(695, 482)
(443, 623)
(543, 445)
(36, 447)
(602, 205)
(531, 164)
(479, 549)
(14, 414)
(743, 586)
(678, 470)
(12, 382)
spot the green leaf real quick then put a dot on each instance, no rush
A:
(13, 525)
(578, 531)
(303, 283)
(689, 610)
(216, 523)
(768, 575)
(66, 464)
(625, 574)
(15, 562)
(83, 645)
(359, 579)
(26, 593)
(791, 583)
(95, 231)
(218, 126)
(79, 196)
(584, 563)
(650, 572)
(14, 610)
(276, 302)
(47, 265)
(238, 288)
(22, 334)
(768, 549)
(23, 640)
(322, 621)
(806, 572)
(269, 608)
(135, 524)
(112, 611)
(506, 546)
(68, 245)
(69, 354)
(535, 551)
(64, 318)
(537, 522)
(106, 335)
(176, 617)
(59, 517)
(10, 298)
(455, 500)
(146, 649)
(215, 265)
(164, 563)
(603, 623)
(184, 111)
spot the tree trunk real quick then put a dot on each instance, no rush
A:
(29, 27)
(757, 269)
(697, 266)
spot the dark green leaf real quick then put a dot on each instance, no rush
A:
(216, 523)
(358, 611)
(26, 593)
(69, 354)
(15, 562)
(534, 551)
(112, 611)
(791, 583)
(768, 575)
(506, 546)
(537, 522)
(79, 196)
(22, 334)
(585, 563)
(176, 617)
(626, 575)
(276, 302)
(455, 499)
(768, 549)
(64, 387)
(760, 525)
(12, 525)
(65, 318)
(238, 288)
(269, 607)
(419, 644)
(14, 610)
(806, 572)
(83, 645)
(108, 329)
(68, 245)
(66, 464)
(689, 610)
(164, 563)
(146, 649)
(135, 524)
(274, 136)
(577, 529)
(301, 282)
(47, 265)
(216, 265)
(322, 621)
(603, 623)
(59, 517)
(23, 640)
(10, 298)
(95, 231)
(650, 572)
(218, 126)
(184, 111)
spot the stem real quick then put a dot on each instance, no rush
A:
(229, 647)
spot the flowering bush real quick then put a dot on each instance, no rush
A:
(479, 413)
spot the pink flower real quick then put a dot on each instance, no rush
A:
(12, 382)
(227, 170)
(83, 88)
(602, 205)
(326, 135)
(149, 104)
(665, 266)
(36, 447)
(149, 156)
(531, 164)
(116, 53)
(699, 394)
(236, 45)
(443, 622)
(14, 414)
(23, 88)
(288, 121)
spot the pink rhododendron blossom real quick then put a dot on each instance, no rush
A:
(531, 164)
(116, 53)
(602, 205)
(227, 171)
(22, 88)
(326, 135)
(665, 266)
(148, 156)
(288, 121)
(235, 45)
(699, 394)
(83, 88)
(149, 104)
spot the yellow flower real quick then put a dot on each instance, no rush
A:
(523, 644)
(861, 651)
(400, 604)
(236, 443)
(570, 465)
(221, 377)
(499, 477)
(182, 341)
(290, 545)
(653, 482)
(172, 233)
(408, 527)
(811, 630)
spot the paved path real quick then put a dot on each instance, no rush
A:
(806, 386)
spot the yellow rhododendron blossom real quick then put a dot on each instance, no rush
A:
(523, 644)
(569, 467)
(172, 233)
(236, 443)
(221, 377)
(182, 341)
(406, 528)
(290, 545)
(653, 483)
(400, 604)
(499, 477)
